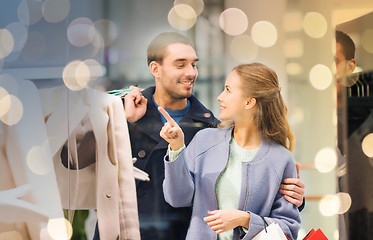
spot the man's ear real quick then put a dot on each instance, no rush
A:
(154, 69)
(250, 103)
(351, 65)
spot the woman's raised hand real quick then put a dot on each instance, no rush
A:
(171, 132)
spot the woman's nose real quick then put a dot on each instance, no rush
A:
(219, 97)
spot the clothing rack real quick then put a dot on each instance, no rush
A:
(363, 87)
(359, 100)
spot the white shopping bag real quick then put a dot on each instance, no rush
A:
(271, 232)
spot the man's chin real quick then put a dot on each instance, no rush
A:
(186, 94)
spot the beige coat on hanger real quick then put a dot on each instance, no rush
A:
(108, 185)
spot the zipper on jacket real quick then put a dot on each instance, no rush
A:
(247, 187)
(216, 195)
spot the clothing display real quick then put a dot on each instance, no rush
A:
(106, 183)
(360, 179)
(357, 223)
(29, 196)
(158, 220)
(190, 180)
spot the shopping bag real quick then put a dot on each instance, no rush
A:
(315, 235)
(270, 232)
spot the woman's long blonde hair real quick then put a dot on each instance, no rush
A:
(260, 82)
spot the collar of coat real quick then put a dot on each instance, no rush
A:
(227, 135)
(151, 122)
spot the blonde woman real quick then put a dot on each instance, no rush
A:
(231, 175)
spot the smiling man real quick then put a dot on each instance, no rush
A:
(172, 61)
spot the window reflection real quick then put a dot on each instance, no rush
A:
(102, 44)
(355, 119)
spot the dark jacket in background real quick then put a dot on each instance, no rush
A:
(158, 220)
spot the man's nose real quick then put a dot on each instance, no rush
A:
(191, 71)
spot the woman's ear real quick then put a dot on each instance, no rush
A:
(250, 103)
(154, 69)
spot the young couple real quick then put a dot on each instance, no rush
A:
(229, 176)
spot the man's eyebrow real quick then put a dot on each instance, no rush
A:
(184, 59)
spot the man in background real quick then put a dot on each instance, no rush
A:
(345, 65)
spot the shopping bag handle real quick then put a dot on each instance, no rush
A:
(265, 224)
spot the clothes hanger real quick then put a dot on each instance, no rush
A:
(366, 84)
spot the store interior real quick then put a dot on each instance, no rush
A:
(104, 43)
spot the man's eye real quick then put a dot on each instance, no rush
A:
(180, 65)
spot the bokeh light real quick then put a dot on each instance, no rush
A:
(197, 5)
(20, 33)
(233, 21)
(35, 46)
(23, 13)
(81, 32)
(264, 34)
(59, 228)
(320, 77)
(6, 42)
(34, 11)
(367, 40)
(55, 11)
(293, 68)
(315, 25)
(326, 160)
(15, 112)
(76, 75)
(11, 235)
(243, 48)
(293, 48)
(297, 116)
(97, 42)
(107, 29)
(37, 161)
(345, 202)
(182, 17)
(9, 83)
(292, 21)
(96, 70)
(4, 101)
(367, 145)
(329, 205)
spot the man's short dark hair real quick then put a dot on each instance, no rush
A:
(348, 46)
(157, 47)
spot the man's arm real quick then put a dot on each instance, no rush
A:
(293, 190)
